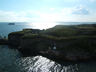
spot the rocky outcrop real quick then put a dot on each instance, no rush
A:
(14, 39)
(73, 48)
(68, 49)
(3, 42)
(34, 45)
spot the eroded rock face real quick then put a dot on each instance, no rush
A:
(14, 39)
(3, 42)
(34, 45)
(72, 49)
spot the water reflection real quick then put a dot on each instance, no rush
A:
(42, 64)
(42, 25)
(12, 61)
(8, 58)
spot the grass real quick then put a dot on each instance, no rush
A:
(70, 38)
(18, 32)
(71, 30)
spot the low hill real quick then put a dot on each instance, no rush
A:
(71, 30)
(72, 42)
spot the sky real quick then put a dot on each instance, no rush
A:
(47, 10)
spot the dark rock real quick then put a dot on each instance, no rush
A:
(14, 39)
(72, 48)
(3, 41)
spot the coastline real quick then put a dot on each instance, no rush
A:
(32, 42)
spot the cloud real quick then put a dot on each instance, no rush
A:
(31, 16)
(78, 14)
(80, 0)
(53, 15)
(92, 0)
(66, 11)
(81, 11)
(52, 9)
(11, 16)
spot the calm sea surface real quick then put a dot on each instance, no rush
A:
(12, 61)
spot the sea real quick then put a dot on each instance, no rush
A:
(11, 60)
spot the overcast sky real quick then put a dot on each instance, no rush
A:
(47, 10)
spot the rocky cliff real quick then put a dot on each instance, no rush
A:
(66, 49)
(14, 39)
(73, 48)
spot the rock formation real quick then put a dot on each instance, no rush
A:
(74, 47)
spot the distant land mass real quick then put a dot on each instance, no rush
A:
(62, 42)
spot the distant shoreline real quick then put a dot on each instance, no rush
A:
(73, 42)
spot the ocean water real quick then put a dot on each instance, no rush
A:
(5, 29)
(11, 60)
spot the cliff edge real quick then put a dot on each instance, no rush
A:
(70, 43)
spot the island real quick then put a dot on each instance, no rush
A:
(11, 23)
(62, 42)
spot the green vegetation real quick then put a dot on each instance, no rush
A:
(73, 30)
(62, 32)
(80, 35)
(78, 41)
(18, 32)
(29, 36)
